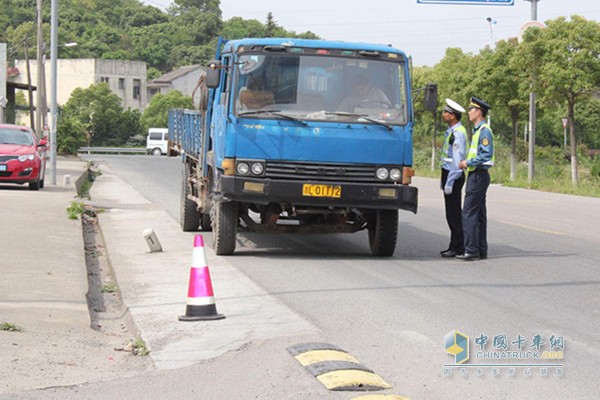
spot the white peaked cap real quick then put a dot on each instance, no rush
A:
(454, 107)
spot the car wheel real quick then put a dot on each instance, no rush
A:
(156, 152)
(42, 183)
(383, 233)
(35, 185)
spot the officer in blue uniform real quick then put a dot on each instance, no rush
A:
(480, 159)
(453, 178)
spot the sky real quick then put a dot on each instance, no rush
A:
(423, 31)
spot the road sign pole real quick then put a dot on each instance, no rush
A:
(565, 121)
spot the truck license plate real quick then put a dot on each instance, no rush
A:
(321, 190)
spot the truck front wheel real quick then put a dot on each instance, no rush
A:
(383, 232)
(224, 224)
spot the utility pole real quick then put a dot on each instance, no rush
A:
(40, 70)
(3, 99)
(53, 88)
(532, 111)
(29, 90)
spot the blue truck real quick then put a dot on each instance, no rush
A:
(298, 135)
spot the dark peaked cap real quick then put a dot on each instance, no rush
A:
(478, 103)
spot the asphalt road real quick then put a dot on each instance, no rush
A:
(541, 279)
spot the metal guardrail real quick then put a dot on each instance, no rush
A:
(111, 150)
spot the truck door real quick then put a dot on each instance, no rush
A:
(219, 119)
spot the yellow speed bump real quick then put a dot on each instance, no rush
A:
(335, 368)
(352, 380)
(314, 356)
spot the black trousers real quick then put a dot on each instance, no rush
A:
(475, 212)
(454, 212)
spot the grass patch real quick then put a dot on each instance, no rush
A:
(139, 347)
(75, 209)
(552, 170)
(8, 327)
(109, 287)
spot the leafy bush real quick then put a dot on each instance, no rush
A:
(71, 135)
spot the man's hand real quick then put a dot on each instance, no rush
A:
(462, 164)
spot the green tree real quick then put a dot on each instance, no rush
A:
(238, 28)
(502, 73)
(71, 135)
(571, 68)
(156, 114)
(100, 111)
(270, 26)
(130, 124)
(154, 43)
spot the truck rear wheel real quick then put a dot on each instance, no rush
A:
(383, 233)
(224, 224)
(189, 216)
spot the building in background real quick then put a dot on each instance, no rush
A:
(183, 79)
(125, 78)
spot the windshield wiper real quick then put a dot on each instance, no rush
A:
(358, 116)
(273, 112)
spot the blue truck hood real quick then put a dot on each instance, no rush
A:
(319, 142)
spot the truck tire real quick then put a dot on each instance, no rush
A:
(383, 233)
(189, 216)
(224, 224)
(205, 223)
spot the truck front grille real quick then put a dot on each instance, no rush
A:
(320, 171)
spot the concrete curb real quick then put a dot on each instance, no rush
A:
(154, 285)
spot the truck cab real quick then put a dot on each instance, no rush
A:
(302, 136)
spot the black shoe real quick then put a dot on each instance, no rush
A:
(482, 256)
(445, 251)
(468, 256)
(449, 253)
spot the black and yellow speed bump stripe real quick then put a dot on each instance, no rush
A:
(335, 368)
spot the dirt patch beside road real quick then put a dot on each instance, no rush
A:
(43, 292)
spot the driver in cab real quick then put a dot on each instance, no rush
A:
(363, 95)
(254, 96)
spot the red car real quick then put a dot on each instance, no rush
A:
(22, 156)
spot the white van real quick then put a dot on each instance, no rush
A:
(157, 142)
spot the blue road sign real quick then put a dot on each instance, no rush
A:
(470, 2)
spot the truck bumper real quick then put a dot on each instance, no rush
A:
(360, 195)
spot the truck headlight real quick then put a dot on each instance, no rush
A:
(258, 168)
(243, 168)
(382, 174)
(395, 174)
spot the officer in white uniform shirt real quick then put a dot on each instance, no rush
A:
(453, 178)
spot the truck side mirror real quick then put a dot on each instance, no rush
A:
(213, 74)
(430, 102)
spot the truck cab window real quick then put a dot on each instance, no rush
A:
(320, 87)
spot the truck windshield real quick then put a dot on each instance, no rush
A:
(311, 87)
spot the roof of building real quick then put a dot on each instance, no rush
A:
(171, 76)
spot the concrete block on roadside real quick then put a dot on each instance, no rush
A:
(152, 241)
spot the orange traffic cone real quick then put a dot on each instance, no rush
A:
(201, 301)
